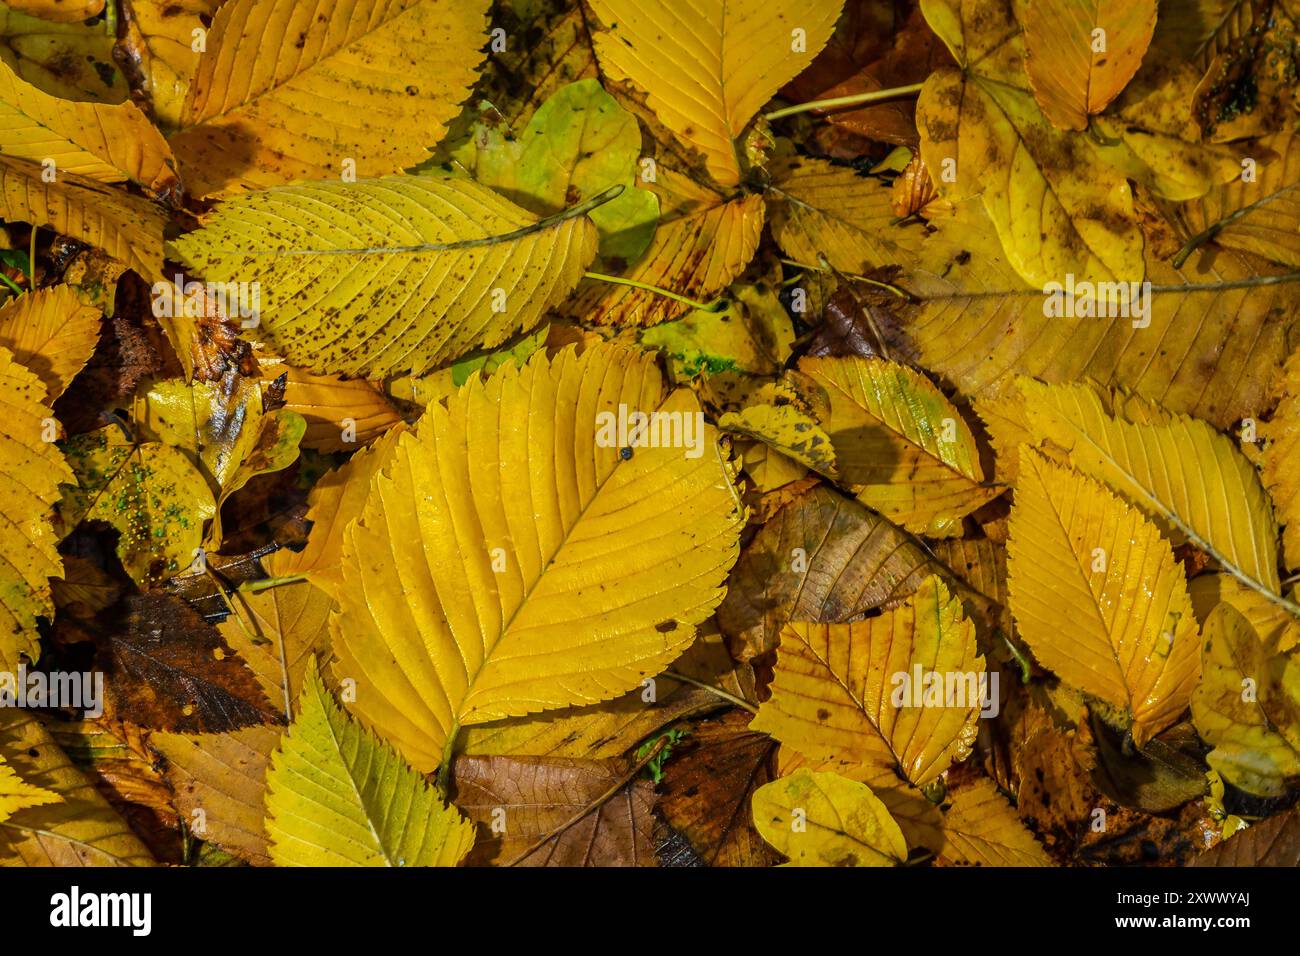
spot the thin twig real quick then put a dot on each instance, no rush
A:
(857, 99)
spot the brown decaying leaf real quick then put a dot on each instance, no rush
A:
(822, 558)
(169, 670)
(555, 811)
(709, 782)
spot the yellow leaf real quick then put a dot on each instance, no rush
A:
(877, 692)
(1223, 322)
(982, 829)
(72, 61)
(52, 333)
(336, 795)
(1098, 596)
(1060, 200)
(60, 11)
(341, 414)
(708, 66)
(16, 795)
(128, 228)
(1080, 53)
(900, 444)
(1275, 625)
(1257, 213)
(161, 33)
(31, 470)
(345, 79)
(823, 819)
(1248, 706)
(334, 503)
(562, 579)
(105, 143)
(81, 829)
(702, 244)
(150, 492)
(223, 775)
(1282, 434)
(390, 275)
(1182, 473)
(818, 209)
(278, 630)
(1056, 200)
(918, 818)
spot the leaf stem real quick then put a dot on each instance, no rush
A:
(573, 212)
(1214, 229)
(718, 691)
(878, 283)
(18, 290)
(265, 584)
(442, 778)
(715, 306)
(857, 99)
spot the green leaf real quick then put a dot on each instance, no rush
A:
(339, 796)
(578, 144)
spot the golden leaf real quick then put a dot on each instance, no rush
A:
(1080, 53)
(251, 122)
(514, 613)
(708, 66)
(1098, 596)
(1248, 706)
(900, 444)
(823, 819)
(31, 470)
(52, 332)
(402, 273)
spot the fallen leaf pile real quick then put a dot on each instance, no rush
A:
(610, 433)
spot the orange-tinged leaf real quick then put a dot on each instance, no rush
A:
(1098, 596)
(1080, 53)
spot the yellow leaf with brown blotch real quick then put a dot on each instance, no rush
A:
(899, 691)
